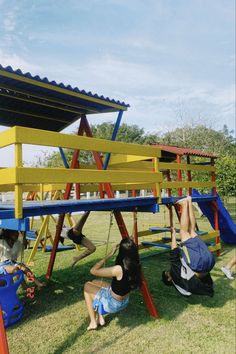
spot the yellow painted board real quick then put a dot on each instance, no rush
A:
(186, 167)
(144, 233)
(60, 89)
(187, 184)
(48, 138)
(215, 248)
(210, 235)
(61, 175)
(33, 187)
(18, 201)
(135, 165)
(122, 159)
(7, 137)
(117, 187)
(7, 176)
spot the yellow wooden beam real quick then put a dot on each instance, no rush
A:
(117, 187)
(48, 138)
(8, 176)
(135, 165)
(215, 247)
(190, 184)
(186, 167)
(211, 235)
(123, 159)
(29, 175)
(7, 137)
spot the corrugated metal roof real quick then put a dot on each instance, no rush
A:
(184, 151)
(36, 102)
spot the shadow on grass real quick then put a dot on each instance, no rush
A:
(66, 288)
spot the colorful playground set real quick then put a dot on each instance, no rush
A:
(36, 110)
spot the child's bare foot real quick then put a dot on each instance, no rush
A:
(92, 326)
(101, 320)
(75, 260)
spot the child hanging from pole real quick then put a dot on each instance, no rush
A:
(10, 249)
(75, 234)
(191, 261)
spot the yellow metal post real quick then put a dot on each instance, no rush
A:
(18, 186)
(156, 170)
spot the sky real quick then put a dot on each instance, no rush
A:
(172, 61)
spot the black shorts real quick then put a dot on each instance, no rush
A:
(75, 238)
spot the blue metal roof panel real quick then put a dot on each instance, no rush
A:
(61, 85)
(34, 102)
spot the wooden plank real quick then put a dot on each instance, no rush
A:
(7, 137)
(48, 138)
(215, 248)
(123, 159)
(186, 167)
(187, 184)
(61, 175)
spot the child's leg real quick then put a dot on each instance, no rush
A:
(90, 249)
(231, 263)
(184, 220)
(192, 220)
(90, 291)
(79, 225)
(26, 270)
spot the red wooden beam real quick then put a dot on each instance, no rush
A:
(3, 338)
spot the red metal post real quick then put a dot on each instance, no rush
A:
(148, 298)
(124, 233)
(119, 219)
(60, 223)
(3, 338)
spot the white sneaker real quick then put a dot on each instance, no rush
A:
(64, 232)
(227, 273)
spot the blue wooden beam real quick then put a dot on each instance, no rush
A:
(48, 207)
(15, 224)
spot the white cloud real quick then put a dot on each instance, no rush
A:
(17, 62)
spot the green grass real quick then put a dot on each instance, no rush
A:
(56, 321)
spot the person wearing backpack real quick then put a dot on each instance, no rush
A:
(190, 261)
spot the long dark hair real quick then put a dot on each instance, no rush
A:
(10, 236)
(128, 258)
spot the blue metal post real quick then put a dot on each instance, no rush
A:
(113, 138)
(63, 157)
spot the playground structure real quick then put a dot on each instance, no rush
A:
(36, 110)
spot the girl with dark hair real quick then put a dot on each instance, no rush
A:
(10, 249)
(105, 298)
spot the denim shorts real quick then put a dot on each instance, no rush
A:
(110, 304)
(6, 263)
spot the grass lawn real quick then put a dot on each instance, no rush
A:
(56, 321)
